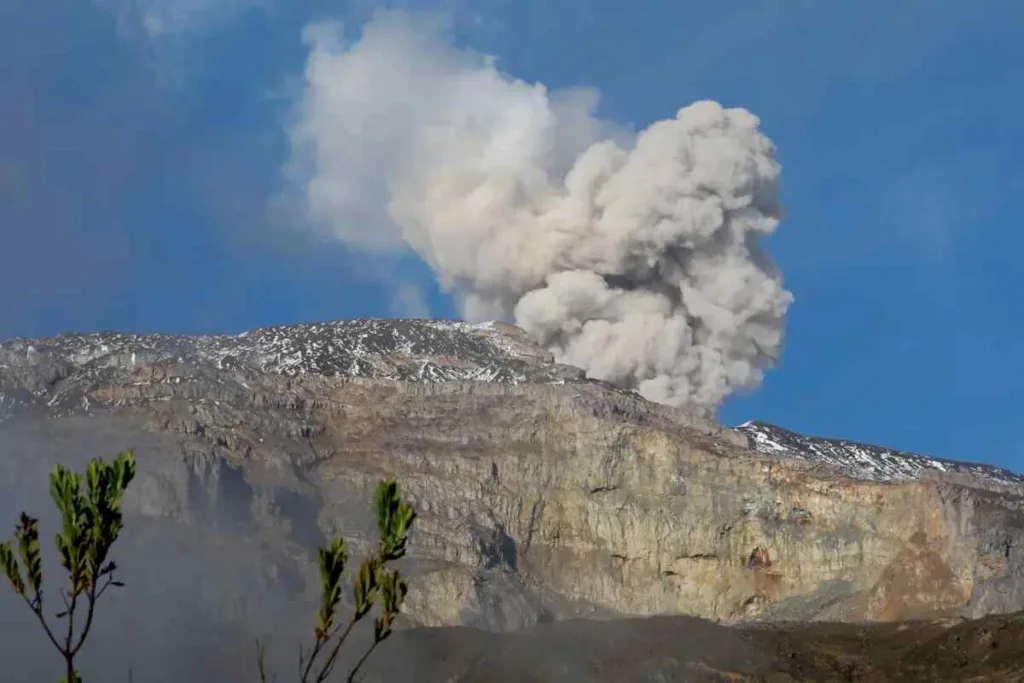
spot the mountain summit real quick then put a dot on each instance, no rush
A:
(543, 494)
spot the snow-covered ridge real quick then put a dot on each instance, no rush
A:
(59, 374)
(863, 461)
(408, 350)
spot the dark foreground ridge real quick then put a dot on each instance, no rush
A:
(687, 649)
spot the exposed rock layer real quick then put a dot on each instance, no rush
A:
(542, 494)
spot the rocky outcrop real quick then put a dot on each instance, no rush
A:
(542, 495)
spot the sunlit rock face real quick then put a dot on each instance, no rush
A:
(542, 494)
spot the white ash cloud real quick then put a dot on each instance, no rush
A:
(633, 256)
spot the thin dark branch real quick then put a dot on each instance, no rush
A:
(261, 653)
(92, 596)
(67, 650)
(334, 653)
(312, 656)
(108, 584)
(336, 630)
(362, 660)
(333, 658)
(37, 608)
(71, 621)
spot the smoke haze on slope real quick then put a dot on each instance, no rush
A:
(633, 256)
(196, 595)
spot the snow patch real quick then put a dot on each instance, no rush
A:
(863, 461)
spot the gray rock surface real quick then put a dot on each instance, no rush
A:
(542, 495)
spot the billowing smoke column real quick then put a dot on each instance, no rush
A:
(634, 257)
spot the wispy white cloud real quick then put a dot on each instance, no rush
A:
(163, 20)
(170, 20)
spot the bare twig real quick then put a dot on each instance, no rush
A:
(362, 660)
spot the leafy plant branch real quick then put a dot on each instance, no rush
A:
(91, 522)
(374, 585)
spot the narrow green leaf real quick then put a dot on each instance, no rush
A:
(365, 588)
(28, 546)
(9, 564)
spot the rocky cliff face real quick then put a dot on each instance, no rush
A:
(542, 494)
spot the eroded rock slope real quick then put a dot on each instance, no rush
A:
(542, 494)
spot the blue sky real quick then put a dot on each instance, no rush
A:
(140, 143)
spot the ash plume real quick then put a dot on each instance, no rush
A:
(635, 256)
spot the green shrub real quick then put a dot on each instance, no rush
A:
(90, 523)
(375, 583)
